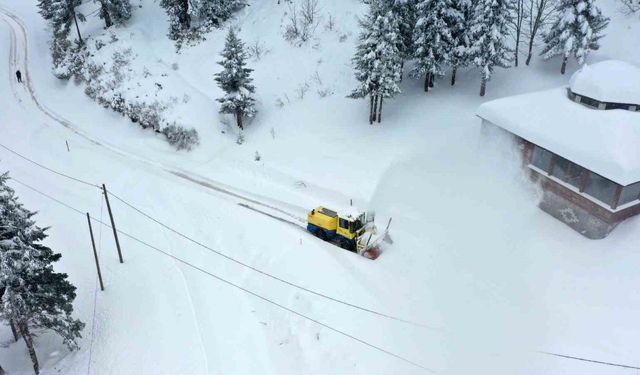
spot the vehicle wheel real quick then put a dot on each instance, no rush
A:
(320, 234)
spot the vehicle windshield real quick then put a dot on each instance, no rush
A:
(356, 225)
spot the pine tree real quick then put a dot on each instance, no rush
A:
(577, 31)
(433, 40)
(378, 59)
(115, 11)
(120, 10)
(104, 13)
(45, 9)
(179, 13)
(62, 15)
(490, 30)
(405, 13)
(32, 294)
(215, 12)
(235, 80)
(459, 19)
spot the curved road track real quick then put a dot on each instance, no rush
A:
(19, 57)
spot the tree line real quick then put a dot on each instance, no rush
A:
(33, 296)
(446, 35)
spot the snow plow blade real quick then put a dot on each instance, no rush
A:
(372, 253)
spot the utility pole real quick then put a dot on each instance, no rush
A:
(75, 19)
(95, 253)
(113, 223)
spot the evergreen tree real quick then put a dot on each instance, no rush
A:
(32, 295)
(433, 40)
(179, 13)
(115, 11)
(62, 16)
(406, 14)
(577, 31)
(490, 30)
(45, 9)
(215, 12)
(235, 80)
(120, 10)
(378, 59)
(459, 19)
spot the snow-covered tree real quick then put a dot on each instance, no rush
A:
(63, 15)
(235, 80)
(490, 31)
(179, 17)
(538, 14)
(577, 31)
(378, 59)
(460, 17)
(45, 9)
(433, 40)
(120, 10)
(215, 12)
(32, 295)
(114, 11)
(406, 15)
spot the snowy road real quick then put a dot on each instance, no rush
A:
(472, 253)
(19, 57)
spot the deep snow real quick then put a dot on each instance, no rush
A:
(472, 254)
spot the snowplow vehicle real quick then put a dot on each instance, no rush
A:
(352, 231)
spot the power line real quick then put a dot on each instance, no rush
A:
(590, 360)
(47, 168)
(325, 325)
(310, 291)
(371, 311)
(270, 275)
(48, 196)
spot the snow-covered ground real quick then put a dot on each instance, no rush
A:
(494, 278)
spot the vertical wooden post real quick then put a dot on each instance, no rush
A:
(67, 142)
(95, 253)
(113, 223)
(75, 19)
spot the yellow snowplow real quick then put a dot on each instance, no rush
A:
(352, 231)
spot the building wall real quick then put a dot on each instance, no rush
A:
(575, 210)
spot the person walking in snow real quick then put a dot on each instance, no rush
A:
(19, 76)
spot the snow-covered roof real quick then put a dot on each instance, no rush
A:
(605, 142)
(610, 81)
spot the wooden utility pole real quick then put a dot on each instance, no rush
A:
(113, 223)
(95, 253)
(75, 19)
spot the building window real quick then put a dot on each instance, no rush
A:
(630, 193)
(596, 104)
(567, 171)
(541, 158)
(589, 102)
(601, 188)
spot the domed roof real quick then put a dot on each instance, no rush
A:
(610, 81)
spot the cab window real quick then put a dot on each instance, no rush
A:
(344, 224)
